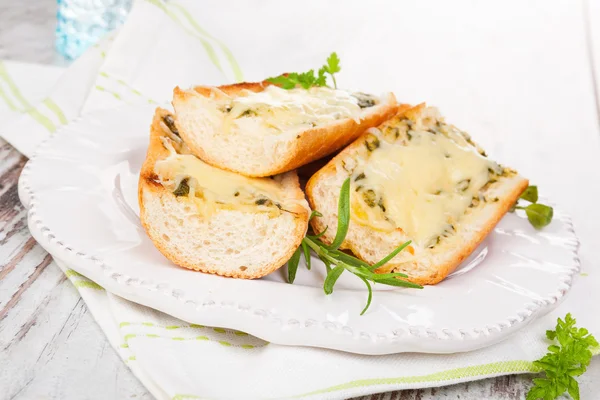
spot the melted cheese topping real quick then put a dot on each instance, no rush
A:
(213, 188)
(275, 110)
(422, 186)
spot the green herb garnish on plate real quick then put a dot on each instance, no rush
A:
(565, 361)
(336, 261)
(539, 215)
(308, 79)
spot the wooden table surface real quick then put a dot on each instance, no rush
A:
(50, 346)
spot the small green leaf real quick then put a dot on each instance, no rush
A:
(535, 393)
(306, 250)
(576, 371)
(541, 382)
(333, 66)
(387, 258)
(307, 79)
(547, 365)
(183, 189)
(315, 237)
(398, 282)
(554, 348)
(331, 279)
(293, 265)
(539, 215)
(573, 388)
(390, 275)
(348, 259)
(569, 320)
(282, 81)
(365, 271)
(287, 81)
(591, 341)
(333, 63)
(326, 262)
(369, 298)
(321, 79)
(314, 213)
(360, 270)
(343, 215)
(581, 332)
(530, 194)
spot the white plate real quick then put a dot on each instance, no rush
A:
(81, 189)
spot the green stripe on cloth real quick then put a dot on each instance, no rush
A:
(69, 273)
(237, 71)
(80, 281)
(35, 114)
(504, 367)
(127, 86)
(114, 94)
(8, 101)
(87, 284)
(202, 338)
(173, 327)
(476, 371)
(48, 102)
(207, 47)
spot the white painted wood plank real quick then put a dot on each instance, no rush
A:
(28, 30)
(50, 347)
(59, 352)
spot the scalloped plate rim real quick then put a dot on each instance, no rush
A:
(415, 338)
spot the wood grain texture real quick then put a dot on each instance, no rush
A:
(50, 346)
(28, 30)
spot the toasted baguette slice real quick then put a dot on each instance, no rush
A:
(259, 129)
(415, 178)
(216, 221)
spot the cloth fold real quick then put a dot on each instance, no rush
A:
(165, 44)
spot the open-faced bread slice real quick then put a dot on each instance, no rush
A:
(259, 129)
(212, 220)
(415, 178)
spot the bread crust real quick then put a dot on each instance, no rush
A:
(309, 145)
(440, 271)
(149, 185)
(443, 270)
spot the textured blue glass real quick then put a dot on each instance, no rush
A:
(81, 23)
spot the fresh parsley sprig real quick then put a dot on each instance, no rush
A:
(332, 67)
(564, 361)
(336, 261)
(539, 215)
(308, 79)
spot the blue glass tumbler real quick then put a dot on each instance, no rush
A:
(81, 23)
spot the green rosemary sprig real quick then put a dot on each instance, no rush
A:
(336, 261)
